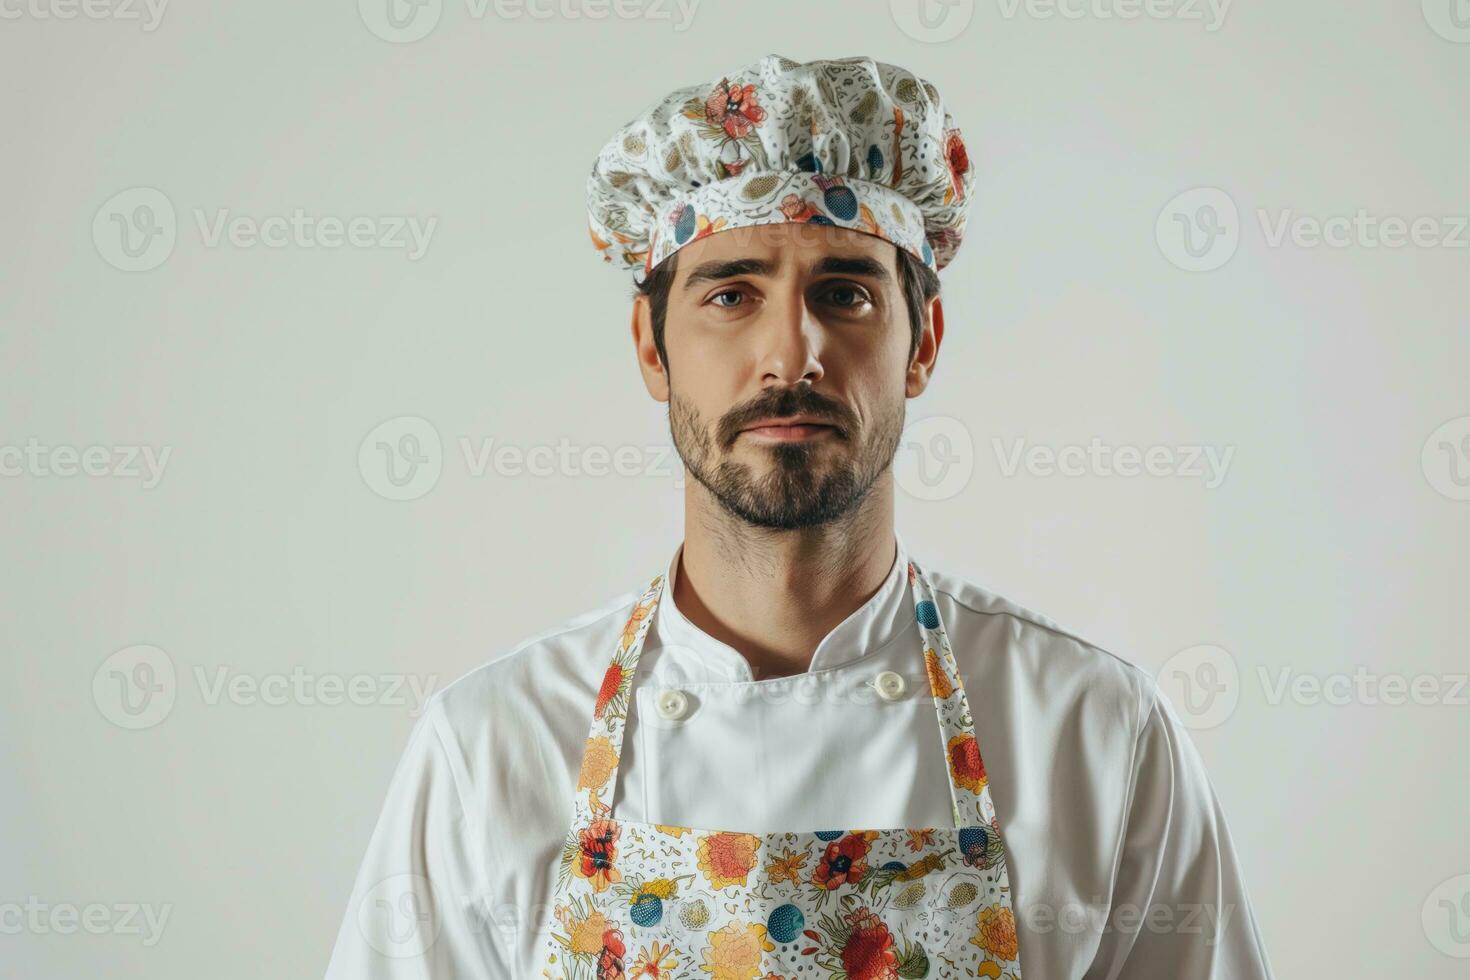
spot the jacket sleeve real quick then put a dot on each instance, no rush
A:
(419, 908)
(1179, 908)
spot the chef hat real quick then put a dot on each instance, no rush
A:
(849, 142)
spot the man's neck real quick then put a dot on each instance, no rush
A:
(774, 595)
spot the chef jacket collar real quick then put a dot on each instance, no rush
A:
(865, 631)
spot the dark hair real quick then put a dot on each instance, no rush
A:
(919, 283)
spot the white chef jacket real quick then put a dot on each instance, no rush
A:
(1119, 856)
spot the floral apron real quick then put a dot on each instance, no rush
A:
(640, 900)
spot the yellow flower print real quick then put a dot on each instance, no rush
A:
(920, 839)
(938, 679)
(787, 867)
(640, 613)
(734, 952)
(671, 831)
(584, 935)
(654, 962)
(727, 858)
(996, 932)
(598, 762)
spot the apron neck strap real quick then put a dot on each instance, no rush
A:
(597, 779)
(969, 787)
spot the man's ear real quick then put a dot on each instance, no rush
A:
(926, 355)
(655, 378)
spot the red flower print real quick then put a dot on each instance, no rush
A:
(612, 682)
(610, 960)
(734, 108)
(944, 238)
(845, 861)
(959, 160)
(599, 848)
(868, 953)
(965, 761)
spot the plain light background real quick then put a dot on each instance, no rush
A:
(270, 556)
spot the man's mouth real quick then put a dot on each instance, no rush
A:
(796, 429)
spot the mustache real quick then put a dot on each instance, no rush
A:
(799, 399)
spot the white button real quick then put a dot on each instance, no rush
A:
(890, 685)
(672, 704)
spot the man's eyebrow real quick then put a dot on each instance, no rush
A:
(858, 265)
(727, 269)
(713, 271)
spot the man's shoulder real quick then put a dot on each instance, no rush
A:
(543, 674)
(992, 633)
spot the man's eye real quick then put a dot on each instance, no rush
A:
(847, 296)
(729, 292)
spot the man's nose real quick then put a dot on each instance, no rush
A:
(791, 338)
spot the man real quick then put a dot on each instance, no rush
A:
(643, 791)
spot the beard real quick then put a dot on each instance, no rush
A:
(800, 489)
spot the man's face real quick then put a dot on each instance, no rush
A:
(788, 350)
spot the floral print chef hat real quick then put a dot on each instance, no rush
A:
(850, 142)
